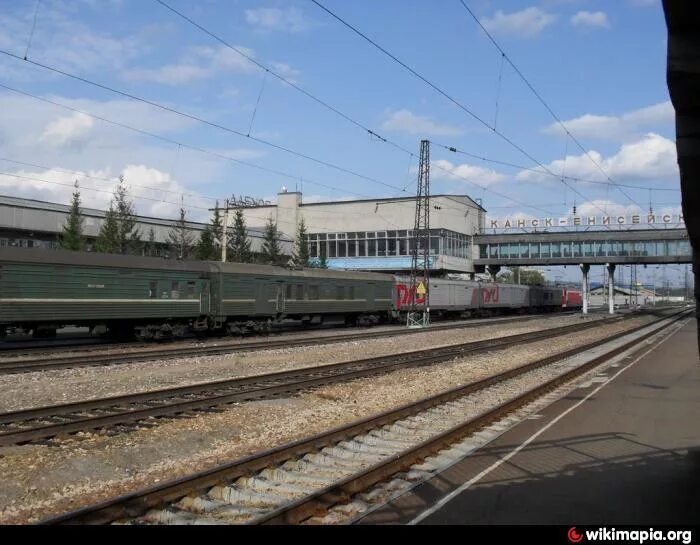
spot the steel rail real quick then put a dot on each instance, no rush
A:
(26, 425)
(92, 360)
(136, 503)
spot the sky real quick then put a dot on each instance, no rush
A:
(300, 117)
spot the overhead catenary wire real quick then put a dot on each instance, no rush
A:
(443, 93)
(543, 102)
(454, 149)
(199, 119)
(172, 141)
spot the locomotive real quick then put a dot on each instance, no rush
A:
(150, 298)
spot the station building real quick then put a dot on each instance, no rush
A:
(377, 234)
(29, 223)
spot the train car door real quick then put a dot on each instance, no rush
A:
(204, 298)
(281, 302)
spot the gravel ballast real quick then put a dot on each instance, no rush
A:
(39, 480)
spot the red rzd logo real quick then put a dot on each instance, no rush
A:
(403, 296)
(573, 535)
(490, 294)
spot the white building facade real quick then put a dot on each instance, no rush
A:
(377, 234)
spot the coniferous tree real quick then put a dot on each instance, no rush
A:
(271, 253)
(239, 245)
(180, 238)
(108, 237)
(150, 248)
(72, 236)
(205, 248)
(301, 250)
(129, 236)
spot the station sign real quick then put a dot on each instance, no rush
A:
(586, 221)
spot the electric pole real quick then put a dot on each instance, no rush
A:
(420, 263)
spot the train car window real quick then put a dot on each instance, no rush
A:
(340, 292)
(175, 290)
(153, 290)
(289, 291)
(351, 292)
(300, 292)
(190, 289)
(313, 292)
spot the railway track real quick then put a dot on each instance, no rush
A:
(301, 481)
(143, 408)
(92, 359)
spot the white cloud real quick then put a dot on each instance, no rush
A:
(67, 130)
(155, 193)
(623, 127)
(443, 169)
(408, 122)
(199, 63)
(651, 158)
(288, 20)
(525, 23)
(597, 19)
(59, 39)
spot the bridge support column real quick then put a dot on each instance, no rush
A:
(611, 287)
(493, 271)
(584, 285)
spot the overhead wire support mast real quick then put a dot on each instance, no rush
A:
(419, 284)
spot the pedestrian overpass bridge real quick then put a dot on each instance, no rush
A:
(583, 248)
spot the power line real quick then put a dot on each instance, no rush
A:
(294, 85)
(543, 102)
(453, 149)
(175, 142)
(439, 90)
(200, 120)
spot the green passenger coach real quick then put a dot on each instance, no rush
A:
(43, 290)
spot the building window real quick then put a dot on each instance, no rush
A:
(153, 290)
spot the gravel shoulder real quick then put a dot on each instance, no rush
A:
(27, 390)
(39, 480)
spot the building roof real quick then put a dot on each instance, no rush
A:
(33, 204)
(378, 199)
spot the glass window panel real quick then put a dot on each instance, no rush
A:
(381, 234)
(672, 247)
(434, 245)
(313, 249)
(403, 233)
(371, 235)
(361, 248)
(566, 249)
(483, 250)
(588, 249)
(352, 245)
(381, 247)
(545, 249)
(403, 246)
(534, 249)
(514, 251)
(391, 246)
(493, 249)
(524, 250)
(391, 234)
(661, 249)
(322, 237)
(372, 248)
(577, 249)
(556, 249)
(684, 247)
(351, 235)
(648, 249)
(342, 248)
(331, 248)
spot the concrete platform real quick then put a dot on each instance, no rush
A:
(623, 449)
